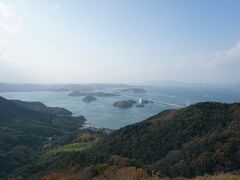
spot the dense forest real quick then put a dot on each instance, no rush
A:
(201, 139)
(23, 132)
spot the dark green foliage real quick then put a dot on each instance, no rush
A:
(124, 103)
(203, 138)
(89, 99)
(24, 132)
(40, 107)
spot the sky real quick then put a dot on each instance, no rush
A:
(112, 41)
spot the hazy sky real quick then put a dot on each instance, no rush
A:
(119, 41)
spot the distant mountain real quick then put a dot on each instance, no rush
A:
(97, 94)
(6, 87)
(191, 84)
(78, 93)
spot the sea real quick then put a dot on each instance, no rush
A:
(102, 114)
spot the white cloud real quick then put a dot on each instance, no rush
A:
(218, 66)
(222, 56)
(9, 21)
(210, 60)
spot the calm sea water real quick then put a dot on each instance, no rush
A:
(101, 113)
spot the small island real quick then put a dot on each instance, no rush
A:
(78, 93)
(89, 99)
(124, 103)
(97, 94)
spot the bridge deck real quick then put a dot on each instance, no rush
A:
(156, 102)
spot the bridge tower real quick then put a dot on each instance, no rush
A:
(140, 101)
(188, 103)
(130, 92)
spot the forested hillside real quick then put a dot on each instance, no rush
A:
(24, 131)
(201, 139)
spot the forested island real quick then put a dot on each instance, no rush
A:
(124, 103)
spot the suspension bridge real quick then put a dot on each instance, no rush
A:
(141, 99)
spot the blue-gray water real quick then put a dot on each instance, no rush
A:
(101, 113)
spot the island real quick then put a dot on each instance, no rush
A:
(61, 90)
(97, 94)
(78, 93)
(89, 99)
(124, 103)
